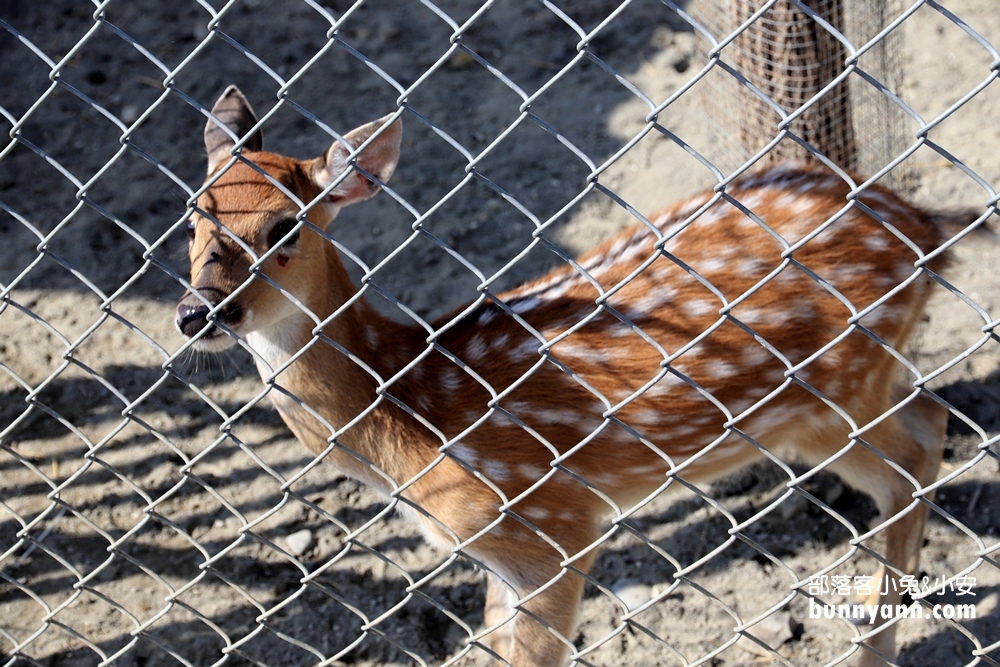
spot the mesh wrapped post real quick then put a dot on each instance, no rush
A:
(791, 57)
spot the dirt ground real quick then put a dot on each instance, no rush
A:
(141, 525)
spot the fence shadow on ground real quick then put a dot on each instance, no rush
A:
(439, 636)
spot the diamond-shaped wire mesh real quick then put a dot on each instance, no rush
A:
(154, 508)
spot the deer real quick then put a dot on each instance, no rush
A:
(767, 317)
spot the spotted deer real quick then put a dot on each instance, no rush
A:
(764, 318)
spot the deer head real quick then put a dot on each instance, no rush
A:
(256, 225)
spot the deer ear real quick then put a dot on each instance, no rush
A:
(379, 159)
(232, 112)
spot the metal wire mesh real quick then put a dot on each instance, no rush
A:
(155, 510)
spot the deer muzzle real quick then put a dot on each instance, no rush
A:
(198, 312)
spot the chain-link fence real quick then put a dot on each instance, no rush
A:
(154, 508)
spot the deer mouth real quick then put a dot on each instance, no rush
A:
(194, 317)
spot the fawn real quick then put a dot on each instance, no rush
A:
(762, 318)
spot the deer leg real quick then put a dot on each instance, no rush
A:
(539, 631)
(499, 612)
(913, 438)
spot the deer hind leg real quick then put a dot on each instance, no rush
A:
(922, 423)
(926, 422)
(913, 438)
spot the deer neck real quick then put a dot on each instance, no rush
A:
(318, 389)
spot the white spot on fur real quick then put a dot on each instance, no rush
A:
(653, 300)
(500, 342)
(755, 200)
(501, 420)
(583, 353)
(739, 405)
(646, 417)
(875, 243)
(679, 431)
(555, 288)
(553, 416)
(833, 387)
(607, 478)
(770, 421)
(620, 435)
(756, 355)
(531, 472)
(665, 384)
(487, 316)
(854, 271)
(587, 426)
(476, 349)
(464, 452)
(535, 513)
(785, 200)
(713, 215)
(709, 265)
(423, 402)
(658, 466)
(720, 370)
(496, 471)
(635, 250)
(831, 358)
(704, 420)
(874, 317)
(749, 266)
(699, 307)
(449, 381)
(620, 330)
(803, 208)
(527, 349)
(525, 305)
(789, 275)
(624, 250)
(519, 408)
(752, 316)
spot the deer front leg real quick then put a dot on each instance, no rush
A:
(499, 612)
(538, 632)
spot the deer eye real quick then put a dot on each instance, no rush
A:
(280, 231)
(189, 227)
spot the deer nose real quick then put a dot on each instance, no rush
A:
(192, 312)
(191, 317)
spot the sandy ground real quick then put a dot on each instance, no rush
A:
(198, 518)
